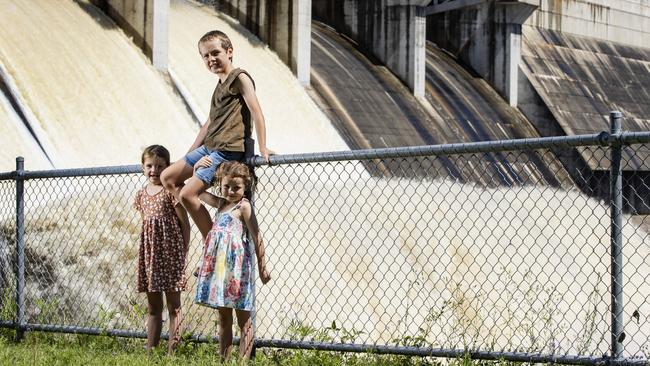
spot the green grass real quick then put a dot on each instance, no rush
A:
(68, 349)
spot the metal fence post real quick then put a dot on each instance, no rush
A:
(254, 311)
(20, 248)
(616, 196)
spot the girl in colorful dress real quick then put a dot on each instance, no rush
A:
(163, 247)
(226, 274)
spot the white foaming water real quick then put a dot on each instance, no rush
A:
(525, 267)
(537, 265)
(294, 122)
(96, 98)
(16, 140)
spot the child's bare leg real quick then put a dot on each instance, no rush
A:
(189, 197)
(175, 319)
(174, 176)
(154, 320)
(225, 332)
(246, 337)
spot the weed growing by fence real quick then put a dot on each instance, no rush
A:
(49, 349)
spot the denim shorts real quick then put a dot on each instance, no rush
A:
(217, 157)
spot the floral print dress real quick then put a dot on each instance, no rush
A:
(226, 272)
(161, 259)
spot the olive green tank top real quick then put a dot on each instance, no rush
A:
(230, 118)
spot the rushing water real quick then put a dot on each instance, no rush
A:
(294, 122)
(16, 140)
(521, 268)
(96, 100)
(460, 265)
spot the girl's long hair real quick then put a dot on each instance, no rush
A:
(155, 150)
(236, 169)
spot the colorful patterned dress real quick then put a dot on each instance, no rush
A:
(226, 273)
(161, 262)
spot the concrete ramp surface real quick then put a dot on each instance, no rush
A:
(16, 140)
(373, 109)
(580, 80)
(293, 121)
(95, 99)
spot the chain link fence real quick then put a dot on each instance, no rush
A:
(374, 250)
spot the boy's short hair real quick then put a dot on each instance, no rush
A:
(221, 36)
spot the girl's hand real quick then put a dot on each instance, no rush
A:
(204, 162)
(265, 276)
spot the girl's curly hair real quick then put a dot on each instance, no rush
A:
(235, 169)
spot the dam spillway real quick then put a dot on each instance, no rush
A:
(94, 97)
(559, 235)
(294, 122)
(374, 109)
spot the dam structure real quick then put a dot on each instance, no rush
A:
(475, 70)
(482, 249)
(426, 72)
(454, 71)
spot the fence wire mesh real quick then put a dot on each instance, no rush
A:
(396, 251)
(636, 198)
(7, 250)
(423, 261)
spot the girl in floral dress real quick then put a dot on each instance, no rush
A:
(226, 274)
(163, 247)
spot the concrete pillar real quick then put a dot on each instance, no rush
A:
(418, 66)
(515, 15)
(284, 25)
(485, 35)
(160, 47)
(513, 55)
(146, 21)
(394, 31)
(405, 41)
(301, 40)
(280, 30)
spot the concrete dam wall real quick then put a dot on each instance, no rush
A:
(95, 101)
(472, 228)
(57, 113)
(489, 39)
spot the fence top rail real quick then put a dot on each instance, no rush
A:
(8, 176)
(76, 172)
(596, 139)
(435, 150)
